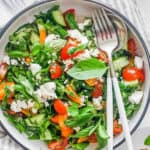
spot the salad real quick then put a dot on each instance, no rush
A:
(53, 81)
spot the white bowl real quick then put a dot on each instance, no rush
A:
(82, 7)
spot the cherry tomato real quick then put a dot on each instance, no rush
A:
(58, 145)
(133, 73)
(55, 71)
(60, 107)
(3, 71)
(72, 11)
(131, 46)
(98, 90)
(92, 138)
(117, 128)
(65, 54)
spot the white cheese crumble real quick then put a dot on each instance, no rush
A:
(136, 97)
(46, 92)
(7, 60)
(95, 52)
(18, 105)
(85, 55)
(51, 37)
(67, 63)
(35, 68)
(78, 36)
(138, 61)
(81, 26)
(97, 103)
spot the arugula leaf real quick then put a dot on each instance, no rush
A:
(79, 120)
(73, 110)
(101, 136)
(147, 141)
(86, 69)
(4, 101)
(25, 82)
(81, 146)
(85, 132)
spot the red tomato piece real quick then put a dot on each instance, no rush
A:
(98, 90)
(131, 46)
(3, 71)
(72, 11)
(60, 107)
(117, 128)
(133, 73)
(65, 54)
(58, 145)
(55, 71)
(66, 131)
(92, 138)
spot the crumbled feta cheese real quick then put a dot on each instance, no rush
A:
(51, 37)
(14, 62)
(87, 22)
(95, 52)
(138, 61)
(34, 110)
(67, 63)
(77, 35)
(77, 129)
(66, 81)
(46, 92)
(81, 26)
(84, 55)
(83, 98)
(6, 59)
(97, 103)
(18, 105)
(136, 97)
(35, 68)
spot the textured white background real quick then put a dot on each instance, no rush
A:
(143, 6)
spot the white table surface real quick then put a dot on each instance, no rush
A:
(145, 11)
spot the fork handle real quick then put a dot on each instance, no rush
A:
(109, 111)
(121, 108)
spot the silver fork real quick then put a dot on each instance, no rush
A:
(107, 40)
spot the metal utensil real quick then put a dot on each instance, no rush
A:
(107, 40)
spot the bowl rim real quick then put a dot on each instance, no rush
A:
(106, 6)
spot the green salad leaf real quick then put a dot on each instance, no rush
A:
(86, 69)
(147, 141)
(80, 146)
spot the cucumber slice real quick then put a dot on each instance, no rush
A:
(120, 63)
(58, 17)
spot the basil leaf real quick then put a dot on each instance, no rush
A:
(147, 141)
(79, 120)
(86, 69)
(80, 47)
(85, 132)
(80, 146)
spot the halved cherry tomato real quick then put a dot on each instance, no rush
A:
(98, 90)
(3, 71)
(65, 51)
(117, 128)
(103, 56)
(66, 131)
(58, 145)
(60, 107)
(131, 46)
(133, 73)
(92, 138)
(55, 71)
(72, 11)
